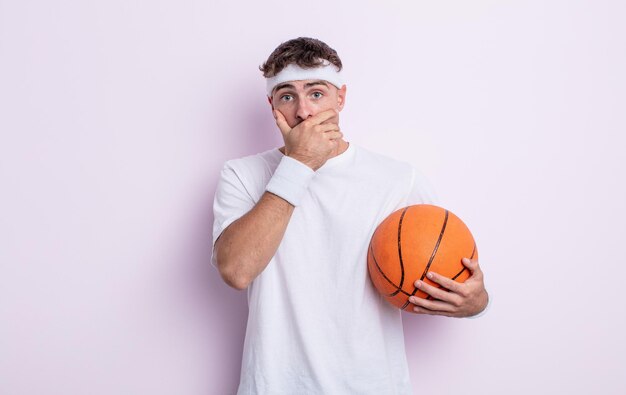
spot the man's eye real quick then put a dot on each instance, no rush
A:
(317, 95)
(286, 97)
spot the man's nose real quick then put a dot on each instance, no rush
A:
(304, 110)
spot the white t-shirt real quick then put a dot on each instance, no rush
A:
(316, 324)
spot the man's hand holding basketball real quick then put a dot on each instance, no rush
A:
(312, 141)
(453, 299)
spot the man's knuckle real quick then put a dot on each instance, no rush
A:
(457, 302)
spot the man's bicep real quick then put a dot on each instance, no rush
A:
(231, 202)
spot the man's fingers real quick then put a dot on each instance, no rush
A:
(281, 122)
(326, 127)
(433, 305)
(421, 310)
(473, 266)
(334, 135)
(323, 116)
(438, 293)
(446, 282)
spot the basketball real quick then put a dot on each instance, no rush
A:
(412, 241)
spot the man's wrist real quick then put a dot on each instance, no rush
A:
(304, 161)
(290, 180)
(484, 311)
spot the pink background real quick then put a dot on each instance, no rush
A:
(116, 116)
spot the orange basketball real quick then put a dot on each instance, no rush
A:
(412, 241)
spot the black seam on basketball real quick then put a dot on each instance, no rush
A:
(432, 256)
(398, 289)
(459, 273)
(400, 247)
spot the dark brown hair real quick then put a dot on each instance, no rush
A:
(306, 52)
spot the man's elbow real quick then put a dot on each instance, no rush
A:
(231, 277)
(230, 266)
(237, 282)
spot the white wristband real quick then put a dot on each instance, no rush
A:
(484, 311)
(290, 180)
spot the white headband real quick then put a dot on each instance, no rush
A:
(327, 72)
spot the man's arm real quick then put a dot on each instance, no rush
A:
(246, 246)
(454, 299)
(469, 299)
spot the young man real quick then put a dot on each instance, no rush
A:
(292, 225)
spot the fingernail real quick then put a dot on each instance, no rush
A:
(430, 275)
(466, 260)
(412, 299)
(417, 284)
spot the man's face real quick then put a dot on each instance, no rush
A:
(299, 100)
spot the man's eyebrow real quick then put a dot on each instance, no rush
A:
(307, 85)
(282, 86)
(319, 82)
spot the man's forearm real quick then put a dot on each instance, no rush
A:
(247, 245)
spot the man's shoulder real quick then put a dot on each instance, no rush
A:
(383, 161)
(254, 163)
(251, 172)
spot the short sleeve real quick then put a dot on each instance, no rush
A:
(421, 191)
(231, 202)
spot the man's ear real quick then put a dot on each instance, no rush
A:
(269, 99)
(341, 97)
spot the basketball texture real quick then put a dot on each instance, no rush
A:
(412, 241)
